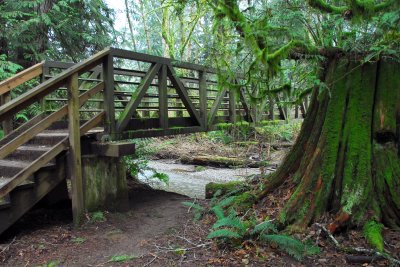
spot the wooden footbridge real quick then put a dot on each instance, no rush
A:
(112, 96)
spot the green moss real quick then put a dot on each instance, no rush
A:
(225, 188)
(244, 201)
(357, 136)
(373, 233)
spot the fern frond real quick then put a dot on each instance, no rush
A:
(264, 227)
(224, 233)
(229, 222)
(290, 245)
(218, 211)
(227, 201)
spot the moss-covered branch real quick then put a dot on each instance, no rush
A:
(324, 6)
(363, 8)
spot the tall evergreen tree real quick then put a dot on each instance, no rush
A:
(55, 29)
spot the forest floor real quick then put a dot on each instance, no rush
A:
(159, 231)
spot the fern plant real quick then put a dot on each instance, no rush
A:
(230, 228)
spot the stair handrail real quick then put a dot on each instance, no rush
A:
(21, 77)
(48, 86)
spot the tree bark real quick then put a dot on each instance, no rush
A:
(346, 158)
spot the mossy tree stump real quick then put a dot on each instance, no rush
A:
(346, 158)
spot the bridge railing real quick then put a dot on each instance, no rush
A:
(152, 96)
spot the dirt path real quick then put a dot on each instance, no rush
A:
(45, 236)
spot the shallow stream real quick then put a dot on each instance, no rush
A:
(190, 180)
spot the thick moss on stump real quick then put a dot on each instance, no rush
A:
(105, 183)
(346, 158)
(213, 188)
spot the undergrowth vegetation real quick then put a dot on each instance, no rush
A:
(237, 224)
(137, 165)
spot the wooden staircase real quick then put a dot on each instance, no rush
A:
(27, 193)
(33, 156)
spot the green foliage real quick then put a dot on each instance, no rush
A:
(279, 132)
(51, 264)
(138, 164)
(233, 229)
(97, 216)
(266, 226)
(225, 234)
(65, 29)
(290, 245)
(122, 258)
(7, 68)
(220, 136)
(78, 240)
(373, 233)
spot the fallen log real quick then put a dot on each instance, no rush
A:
(215, 161)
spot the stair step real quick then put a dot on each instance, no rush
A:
(25, 184)
(9, 168)
(28, 153)
(5, 202)
(48, 138)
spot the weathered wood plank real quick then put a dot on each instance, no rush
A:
(75, 161)
(163, 97)
(203, 98)
(232, 106)
(40, 126)
(113, 149)
(215, 107)
(159, 132)
(33, 167)
(46, 157)
(180, 89)
(31, 132)
(108, 105)
(137, 97)
(8, 123)
(21, 77)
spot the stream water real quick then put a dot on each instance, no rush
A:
(190, 180)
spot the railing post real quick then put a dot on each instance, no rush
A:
(7, 123)
(45, 72)
(203, 98)
(163, 97)
(108, 76)
(75, 161)
(232, 106)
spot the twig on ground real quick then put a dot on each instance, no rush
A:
(150, 262)
(8, 246)
(358, 250)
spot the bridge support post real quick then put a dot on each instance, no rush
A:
(108, 76)
(232, 106)
(75, 162)
(105, 183)
(163, 97)
(203, 98)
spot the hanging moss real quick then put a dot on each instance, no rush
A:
(373, 233)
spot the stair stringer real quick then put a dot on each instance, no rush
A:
(23, 199)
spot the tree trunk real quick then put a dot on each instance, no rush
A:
(346, 158)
